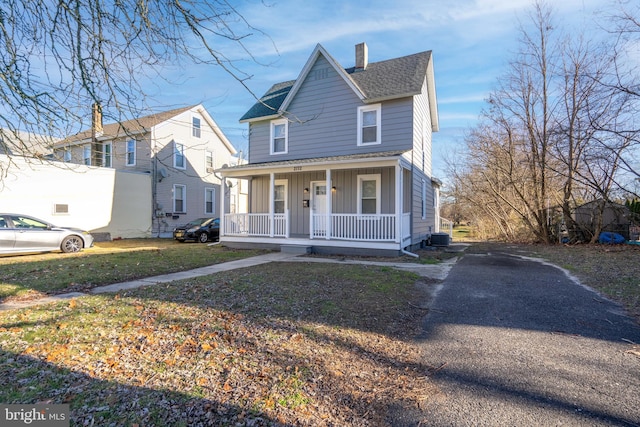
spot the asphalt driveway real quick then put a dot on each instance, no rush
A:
(516, 342)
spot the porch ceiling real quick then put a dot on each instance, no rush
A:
(386, 158)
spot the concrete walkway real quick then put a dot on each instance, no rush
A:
(435, 271)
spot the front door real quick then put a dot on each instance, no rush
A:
(319, 206)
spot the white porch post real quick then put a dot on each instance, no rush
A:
(399, 204)
(272, 197)
(223, 183)
(329, 190)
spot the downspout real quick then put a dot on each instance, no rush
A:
(410, 253)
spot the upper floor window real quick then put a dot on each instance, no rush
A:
(195, 127)
(208, 161)
(179, 198)
(131, 152)
(178, 156)
(106, 155)
(279, 136)
(86, 154)
(369, 194)
(369, 125)
(67, 154)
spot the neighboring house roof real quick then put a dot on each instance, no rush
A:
(25, 144)
(379, 81)
(129, 127)
(144, 124)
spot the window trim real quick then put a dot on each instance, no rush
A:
(196, 131)
(180, 153)
(86, 159)
(364, 109)
(213, 200)
(184, 198)
(285, 184)
(208, 154)
(272, 126)
(369, 177)
(133, 152)
(107, 154)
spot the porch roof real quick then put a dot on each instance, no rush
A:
(341, 162)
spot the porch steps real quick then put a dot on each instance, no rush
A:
(296, 249)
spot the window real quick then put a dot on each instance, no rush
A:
(424, 199)
(195, 127)
(369, 124)
(209, 201)
(131, 152)
(279, 136)
(178, 156)
(369, 194)
(179, 196)
(106, 155)
(86, 154)
(67, 154)
(208, 161)
(280, 196)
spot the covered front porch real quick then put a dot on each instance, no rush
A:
(363, 204)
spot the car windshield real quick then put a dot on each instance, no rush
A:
(200, 221)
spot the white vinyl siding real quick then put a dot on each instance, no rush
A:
(424, 199)
(279, 137)
(179, 198)
(369, 120)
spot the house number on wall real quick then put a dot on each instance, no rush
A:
(297, 168)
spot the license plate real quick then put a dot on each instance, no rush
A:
(179, 234)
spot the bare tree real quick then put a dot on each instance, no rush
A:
(59, 58)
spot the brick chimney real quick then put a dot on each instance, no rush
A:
(362, 56)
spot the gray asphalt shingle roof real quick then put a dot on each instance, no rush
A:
(387, 79)
(141, 124)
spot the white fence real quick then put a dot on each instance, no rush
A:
(446, 226)
(246, 224)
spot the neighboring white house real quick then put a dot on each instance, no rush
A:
(179, 150)
(339, 159)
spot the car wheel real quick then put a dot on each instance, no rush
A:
(71, 244)
(203, 238)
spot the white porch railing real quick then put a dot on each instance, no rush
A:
(256, 224)
(446, 226)
(354, 227)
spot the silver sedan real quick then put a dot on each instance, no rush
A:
(25, 234)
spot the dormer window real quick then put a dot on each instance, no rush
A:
(279, 137)
(369, 125)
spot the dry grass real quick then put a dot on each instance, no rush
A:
(280, 344)
(290, 344)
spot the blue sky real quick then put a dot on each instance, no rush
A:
(471, 41)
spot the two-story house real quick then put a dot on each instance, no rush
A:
(339, 159)
(180, 149)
